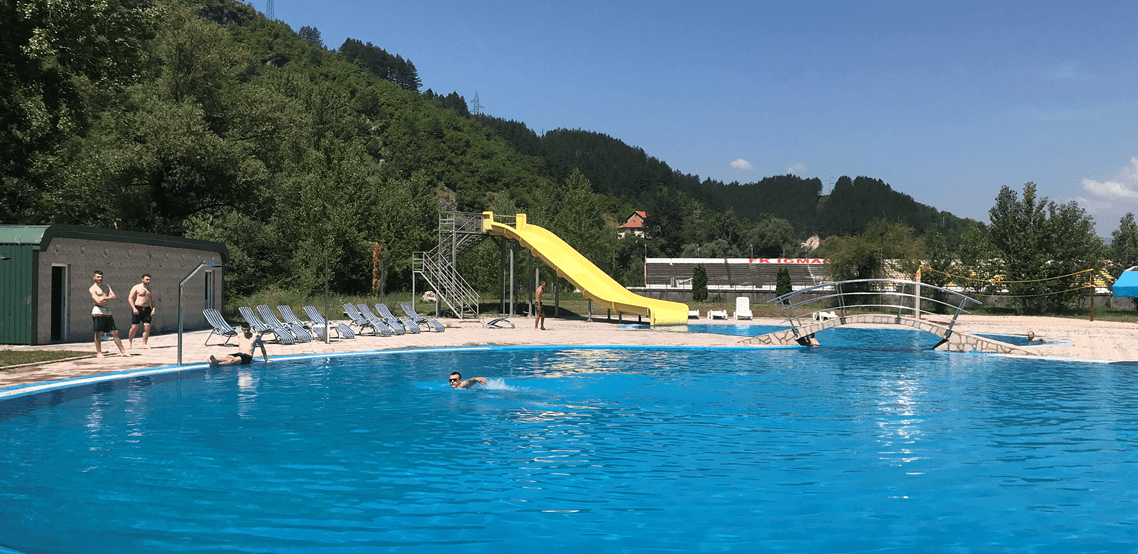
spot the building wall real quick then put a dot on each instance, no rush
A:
(122, 265)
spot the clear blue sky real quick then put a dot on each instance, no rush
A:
(946, 102)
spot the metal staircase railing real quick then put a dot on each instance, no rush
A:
(458, 233)
(450, 288)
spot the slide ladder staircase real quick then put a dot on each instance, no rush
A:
(458, 233)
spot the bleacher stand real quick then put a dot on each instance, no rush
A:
(731, 273)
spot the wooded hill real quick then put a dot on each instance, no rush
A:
(627, 172)
(206, 120)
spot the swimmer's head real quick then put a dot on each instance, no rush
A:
(455, 380)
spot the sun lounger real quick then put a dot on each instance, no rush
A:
(284, 336)
(693, 314)
(823, 316)
(290, 319)
(390, 319)
(497, 323)
(379, 323)
(361, 322)
(220, 327)
(742, 307)
(317, 321)
(430, 322)
(298, 331)
(716, 314)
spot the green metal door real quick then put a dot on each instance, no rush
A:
(17, 295)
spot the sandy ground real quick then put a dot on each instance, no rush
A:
(1066, 338)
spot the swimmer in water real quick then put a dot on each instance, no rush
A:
(456, 381)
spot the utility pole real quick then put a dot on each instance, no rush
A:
(270, 11)
(881, 253)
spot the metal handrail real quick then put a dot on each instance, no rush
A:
(790, 307)
(450, 286)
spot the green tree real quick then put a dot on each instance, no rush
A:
(699, 283)
(578, 220)
(1124, 245)
(977, 258)
(782, 282)
(1042, 246)
(768, 237)
(939, 266)
(312, 35)
(665, 222)
(884, 248)
(57, 59)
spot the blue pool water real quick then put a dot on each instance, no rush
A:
(1021, 340)
(869, 444)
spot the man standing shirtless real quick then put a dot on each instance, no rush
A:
(141, 302)
(101, 318)
(539, 321)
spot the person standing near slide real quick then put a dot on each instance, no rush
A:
(539, 321)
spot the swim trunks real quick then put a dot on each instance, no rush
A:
(143, 315)
(245, 358)
(99, 310)
(103, 324)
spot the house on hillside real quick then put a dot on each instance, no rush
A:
(634, 225)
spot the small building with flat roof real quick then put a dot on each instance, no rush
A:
(44, 285)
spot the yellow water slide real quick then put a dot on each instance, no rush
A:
(595, 284)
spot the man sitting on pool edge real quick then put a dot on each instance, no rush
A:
(456, 381)
(246, 342)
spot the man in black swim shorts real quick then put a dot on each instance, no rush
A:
(246, 341)
(101, 319)
(141, 302)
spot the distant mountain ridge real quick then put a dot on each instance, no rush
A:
(628, 172)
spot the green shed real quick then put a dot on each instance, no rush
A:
(44, 284)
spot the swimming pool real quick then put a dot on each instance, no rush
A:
(868, 444)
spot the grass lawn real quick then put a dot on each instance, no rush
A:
(20, 357)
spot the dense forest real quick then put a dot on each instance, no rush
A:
(207, 120)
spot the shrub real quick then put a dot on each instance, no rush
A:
(699, 283)
(782, 282)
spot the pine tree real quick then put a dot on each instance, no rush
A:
(782, 281)
(699, 283)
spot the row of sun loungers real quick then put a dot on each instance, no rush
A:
(386, 324)
(290, 329)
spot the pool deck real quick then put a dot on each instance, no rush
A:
(1104, 341)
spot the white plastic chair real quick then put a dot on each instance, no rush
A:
(742, 307)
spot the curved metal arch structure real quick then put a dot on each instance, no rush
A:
(901, 299)
(874, 290)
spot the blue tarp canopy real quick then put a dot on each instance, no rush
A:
(1127, 285)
